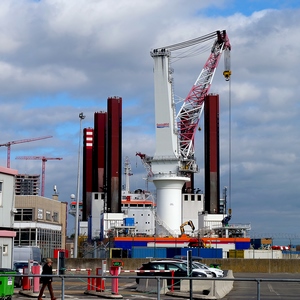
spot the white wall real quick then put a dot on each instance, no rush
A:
(6, 253)
(7, 196)
(7, 202)
(191, 205)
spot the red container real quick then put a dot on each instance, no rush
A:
(55, 252)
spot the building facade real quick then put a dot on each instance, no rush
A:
(41, 222)
(27, 184)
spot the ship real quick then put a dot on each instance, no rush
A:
(135, 227)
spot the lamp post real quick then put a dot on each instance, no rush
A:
(81, 117)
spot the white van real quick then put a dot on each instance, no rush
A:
(25, 253)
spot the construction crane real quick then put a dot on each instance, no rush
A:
(174, 155)
(8, 144)
(43, 159)
(190, 223)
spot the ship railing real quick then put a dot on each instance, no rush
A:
(164, 227)
(246, 226)
(202, 232)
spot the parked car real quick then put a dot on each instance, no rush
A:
(18, 268)
(18, 279)
(216, 272)
(178, 266)
(20, 265)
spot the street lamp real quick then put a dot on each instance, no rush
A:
(81, 117)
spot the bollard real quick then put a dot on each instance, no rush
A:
(93, 283)
(172, 281)
(100, 283)
(25, 280)
(89, 281)
(36, 280)
(115, 271)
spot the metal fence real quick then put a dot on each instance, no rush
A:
(91, 286)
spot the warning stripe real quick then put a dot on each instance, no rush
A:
(73, 270)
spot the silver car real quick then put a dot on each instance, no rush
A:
(215, 271)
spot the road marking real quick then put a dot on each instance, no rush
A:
(143, 297)
(272, 290)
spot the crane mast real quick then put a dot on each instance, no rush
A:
(174, 153)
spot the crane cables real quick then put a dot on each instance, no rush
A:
(229, 146)
(189, 43)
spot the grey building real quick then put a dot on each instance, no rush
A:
(27, 184)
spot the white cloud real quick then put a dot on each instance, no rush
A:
(61, 57)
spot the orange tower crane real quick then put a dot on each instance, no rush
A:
(8, 144)
(43, 159)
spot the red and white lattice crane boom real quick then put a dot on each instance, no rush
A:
(189, 114)
(43, 159)
(8, 144)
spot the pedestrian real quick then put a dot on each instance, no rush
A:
(47, 280)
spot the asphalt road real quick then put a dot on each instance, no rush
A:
(268, 290)
(271, 289)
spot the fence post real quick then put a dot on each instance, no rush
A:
(62, 288)
(258, 289)
(158, 288)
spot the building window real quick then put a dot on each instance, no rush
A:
(5, 250)
(186, 197)
(40, 213)
(46, 239)
(192, 197)
(55, 217)
(48, 215)
(24, 214)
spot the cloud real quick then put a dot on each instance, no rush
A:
(60, 58)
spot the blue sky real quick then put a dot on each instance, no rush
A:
(246, 7)
(59, 58)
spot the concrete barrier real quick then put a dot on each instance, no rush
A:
(222, 288)
(150, 286)
(237, 265)
(199, 286)
(214, 289)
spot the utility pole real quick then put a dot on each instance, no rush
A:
(81, 117)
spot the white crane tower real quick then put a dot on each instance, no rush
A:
(174, 157)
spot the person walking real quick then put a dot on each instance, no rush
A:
(47, 280)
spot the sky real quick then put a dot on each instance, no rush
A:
(59, 58)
